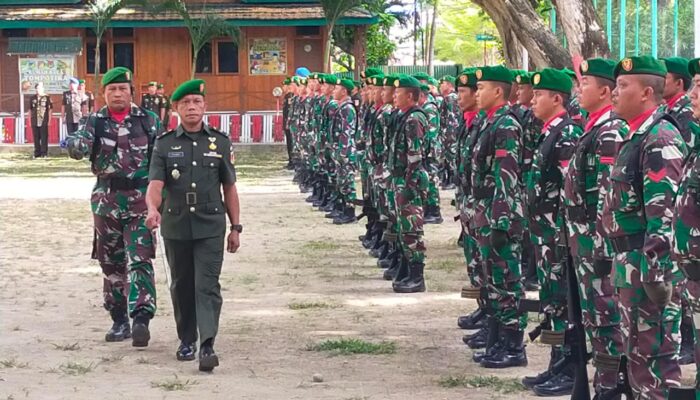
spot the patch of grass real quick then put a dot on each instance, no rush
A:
(259, 164)
(15, 164)
(320, 245)
(311, 304)
(112, 358)
(354, 346)
(175, 384)
(502, 385)
(66, 347)
(13, 363)
(446, 265)
(74, 368)
(248, 279)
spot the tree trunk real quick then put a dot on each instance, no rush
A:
(431, 39)
(327, 50)
(519, 24)
(584, 34)
(98, 41)
(194, 63)
(360, 50)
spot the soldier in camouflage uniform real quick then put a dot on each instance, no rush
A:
(286, 116)
(546, 214)
(498, 218)
(637, 218)
(431, 152)
(686, 217)
(585, 185)
(150, 100)
(325, 147)
(409, 182)
(343, 128)
(449, 127)
(573, 108)
(677, 105)
(118, 139)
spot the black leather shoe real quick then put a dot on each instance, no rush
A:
(559, 385)
(120, 329)
(475, 320)
(511, 355)
(186, 351)
(207, 358)
(140, 335)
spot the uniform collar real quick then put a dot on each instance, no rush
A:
(640, 121)
(554, 120)
(596, 118)
(495, 110)
(134, 111)
(206, 129)
(674, 100)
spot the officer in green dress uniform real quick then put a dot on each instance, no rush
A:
(189, 166)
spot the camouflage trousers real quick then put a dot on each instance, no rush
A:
(692, 296)
(364, 166)
(652, 333)
(124, 247)
(409, 218)
(433, 168)
(449, 153)
(502, 277)
(550, 274)
(379, 192)
(346, 180)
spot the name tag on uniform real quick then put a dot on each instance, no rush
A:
(176, 154)
(213, 154)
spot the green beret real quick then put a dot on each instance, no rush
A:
(116, 75)
(467, 78)
(448, 79)
(694, 67)
(677, 65)
(314, 75)
(389, 80)
(287, 81)
(496, 73)
(376, 80)
(152, 83)
(524, 79)
(552, 79)
(371, 71)
(195, 86)
(424, 87)
(642, 65)
(422, 76)
(346, 83)
(161, 86)
(517, 73)
(600, 67)
(407, 81)
(81, 80)
(433, 81)
(569, 72)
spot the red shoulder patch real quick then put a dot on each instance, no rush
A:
(501, 153)
(607, 160)
(657, 176)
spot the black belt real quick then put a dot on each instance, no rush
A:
(482, 193)
(123, 183)
(581, 214)
(628, 243)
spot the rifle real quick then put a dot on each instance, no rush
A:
(367, 210)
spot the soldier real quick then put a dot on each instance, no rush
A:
(498, 218)
(473, 119)
(409, 182)
(637, 219)
(325, 146)
(545, 184)
(585, 185)
(150, 100)
(573, 108)
(164, 106)
(342, 130)
(190, 165)
(71, 107)
(286, 115)
(88, 103)
(119, 139)
(686, 220)
(431, 155)
(40, 107)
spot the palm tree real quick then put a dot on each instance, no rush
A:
(334, 10)
(101, 12)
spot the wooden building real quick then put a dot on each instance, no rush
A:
(277, 36)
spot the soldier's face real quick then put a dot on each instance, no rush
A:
(403, 98)
(591, 93)
(467, 98)
(388, 94)
(695, 96)
(544, 104)
(152, 89)
(81, 87)
(628, 97)
(118, 96)
(487, 94)
(339, 93)
(191, 108)
(525, 95)
(328, 89)
(673, 86)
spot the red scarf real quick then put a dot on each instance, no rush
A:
(594, 116)
(549, 122)
(120, 115)
(636, 122)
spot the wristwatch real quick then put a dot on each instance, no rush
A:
(237, 228)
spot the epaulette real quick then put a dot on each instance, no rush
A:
(167, 133)
(215, 130)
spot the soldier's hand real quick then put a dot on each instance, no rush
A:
(233, 242)
(153, 220)
(658, 292)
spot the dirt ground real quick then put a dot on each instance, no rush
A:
(297, 282)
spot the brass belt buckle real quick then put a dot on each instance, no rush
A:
(191, 198)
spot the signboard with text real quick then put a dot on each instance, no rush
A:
(53, 71)
(267, 56)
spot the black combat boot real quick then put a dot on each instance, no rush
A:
(477, 340)
(530, 381)
(398, 269)
(336, 211)
(120, 329)
(561, 384)
(186, 351)
(475, 320)
(493, 342)
(449, 184)
(207, 357)
(431, 215)
(687, 354)
(460, 239)
(321, 196)
(415, 281)
(511, 355)
(315, 194)
(331, 204)
(391, 253)
(140, 334)
(346, 217)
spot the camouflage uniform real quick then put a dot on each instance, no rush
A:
(585, 184)
(432, 151)
(378, 149)
(498, 207)
(449, 127)
(637, 219)
(120, 162)
(546, 218)
(682, 111)
(343, 128)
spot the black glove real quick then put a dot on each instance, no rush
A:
(499, 238)
(659, 293)
(602, 267)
